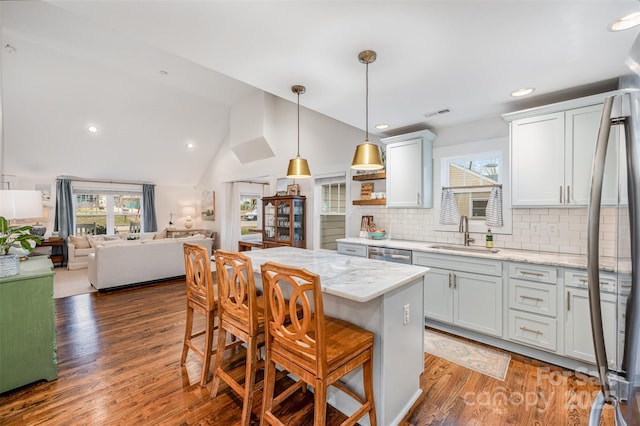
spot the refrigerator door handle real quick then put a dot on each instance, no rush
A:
(593, 232)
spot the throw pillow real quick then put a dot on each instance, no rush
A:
(160, 235)
(80, 242)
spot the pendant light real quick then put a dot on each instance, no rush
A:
(367, 155)
(298, 167)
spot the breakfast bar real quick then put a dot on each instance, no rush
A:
(385, 298)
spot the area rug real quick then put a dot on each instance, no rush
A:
(71, 283)
(466, 354)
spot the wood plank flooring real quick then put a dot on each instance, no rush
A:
(119, 364)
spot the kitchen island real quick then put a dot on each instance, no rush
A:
(385, 298)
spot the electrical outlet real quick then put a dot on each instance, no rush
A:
(405, 314)
(535, 229)
(552, 229)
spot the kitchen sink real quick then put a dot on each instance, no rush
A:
(465, 248)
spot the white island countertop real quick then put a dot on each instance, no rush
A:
(354, 278)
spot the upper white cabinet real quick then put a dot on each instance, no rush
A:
(552, 154)
(409, 165)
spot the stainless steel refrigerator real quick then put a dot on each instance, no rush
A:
(620, 383)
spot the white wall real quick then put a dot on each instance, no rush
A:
(327, 144)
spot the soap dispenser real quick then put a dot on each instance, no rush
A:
(489, 239)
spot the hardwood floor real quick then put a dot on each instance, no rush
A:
(119, 364)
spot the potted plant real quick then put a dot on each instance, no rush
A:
(13, 236)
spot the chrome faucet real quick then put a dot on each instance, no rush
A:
(464, 227)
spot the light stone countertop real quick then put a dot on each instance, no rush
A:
(523, 256)
(354, 278)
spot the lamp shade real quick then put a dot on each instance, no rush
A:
(367, 157)
(188, 211)
(298, 168)
(20, 204)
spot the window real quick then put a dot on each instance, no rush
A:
(472, 179)
(332, 223)
(250, 215)
(112, 207)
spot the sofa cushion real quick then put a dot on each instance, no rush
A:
(80, 242)
(160, 235)
(84, 251)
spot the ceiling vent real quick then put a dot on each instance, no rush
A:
(438, 112)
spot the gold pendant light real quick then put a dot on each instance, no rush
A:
(367, 155)
(298, 167)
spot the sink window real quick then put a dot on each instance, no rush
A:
(470, 171)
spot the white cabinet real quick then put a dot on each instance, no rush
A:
(352, 249)
(409, 167)
(578, 339)
(533, 306)
(463, 296)
(552, 155)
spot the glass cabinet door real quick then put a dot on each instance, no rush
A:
(269, 221)
(298, 220)
(284, 209)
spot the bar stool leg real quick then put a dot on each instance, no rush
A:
(187, 335)
(208, 349)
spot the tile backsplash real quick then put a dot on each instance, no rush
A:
(555, 230)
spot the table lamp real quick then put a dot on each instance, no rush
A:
(188, 212)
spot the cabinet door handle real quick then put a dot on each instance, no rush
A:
(449, 279)
(560, 194)
(418, 198)
(455, 281)
(350, 250)
(525, 329)
(568, 301)
(537, 299)
(568, 194)
(535, 274)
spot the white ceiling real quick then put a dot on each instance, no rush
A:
(99, 61)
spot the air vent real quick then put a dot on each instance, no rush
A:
(438, 112)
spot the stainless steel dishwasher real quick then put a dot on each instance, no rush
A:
(390, 254)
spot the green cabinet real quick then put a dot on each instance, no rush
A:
(27, 325)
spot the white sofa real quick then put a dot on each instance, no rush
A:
(78, 256)
(122, 263)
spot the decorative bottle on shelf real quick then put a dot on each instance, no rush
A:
(489, 239)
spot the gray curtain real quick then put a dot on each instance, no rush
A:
(149, 211)
(64, 211)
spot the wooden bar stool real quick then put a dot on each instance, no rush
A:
(241, 314)
(318, 350)
(201, 298)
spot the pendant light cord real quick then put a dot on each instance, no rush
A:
(366, 123)
(298, 124)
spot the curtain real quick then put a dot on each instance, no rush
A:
(63, 222)
(494, 208)
(230, 234)
(449, 208)
(149, 212)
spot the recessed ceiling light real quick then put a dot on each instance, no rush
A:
(522, 92)
(9, 48)
(626, 22)
(163, 72)
(190, 145)
(382, 126)
(92, 129)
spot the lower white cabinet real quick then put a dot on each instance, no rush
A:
(578, 342)
(463, 298)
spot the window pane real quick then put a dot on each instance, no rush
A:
(126, 210)
(249, 215)
(91, 208)
(333, 198)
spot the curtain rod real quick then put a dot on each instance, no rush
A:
(130, 182)
(252, 182)
(495, 185)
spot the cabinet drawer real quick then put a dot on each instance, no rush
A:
(578, 278)
(534, 330)
(458, 263)
(533, 297)
(352, 249)
(539, 273)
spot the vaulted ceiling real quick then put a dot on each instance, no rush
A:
(156, 75)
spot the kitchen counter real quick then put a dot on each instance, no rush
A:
(383, 297)
(524, 256)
